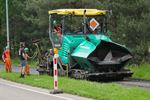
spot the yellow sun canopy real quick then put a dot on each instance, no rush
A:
(78, 12)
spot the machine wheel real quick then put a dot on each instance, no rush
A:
(78, 74)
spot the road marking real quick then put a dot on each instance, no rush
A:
(54, 95)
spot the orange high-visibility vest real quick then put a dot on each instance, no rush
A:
(6, 54)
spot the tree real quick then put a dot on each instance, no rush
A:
(129, 22)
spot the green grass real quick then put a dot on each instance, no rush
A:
(1, 61)
(32, 63)
(100, 91)
(15, 61)
(141, 72)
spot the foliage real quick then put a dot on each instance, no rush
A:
(141, 72)
(129, 22)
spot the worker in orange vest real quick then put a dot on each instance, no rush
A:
(57, 28)
(27, 67)
(7, 60)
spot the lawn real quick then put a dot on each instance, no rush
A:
(141, 72)
(99, 91)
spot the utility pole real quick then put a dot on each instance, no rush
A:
(7, 24)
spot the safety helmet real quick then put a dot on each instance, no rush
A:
(26, 49)
(54, 22)
(7, 47)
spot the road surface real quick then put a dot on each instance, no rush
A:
(14, 91)
(135, 83)
(17, 69)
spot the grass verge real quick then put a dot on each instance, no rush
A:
(141, 72)
(99, 91)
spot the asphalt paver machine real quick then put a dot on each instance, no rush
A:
(85, 50)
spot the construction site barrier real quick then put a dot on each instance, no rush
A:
(55, 74)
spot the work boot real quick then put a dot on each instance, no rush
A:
(22, 76)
